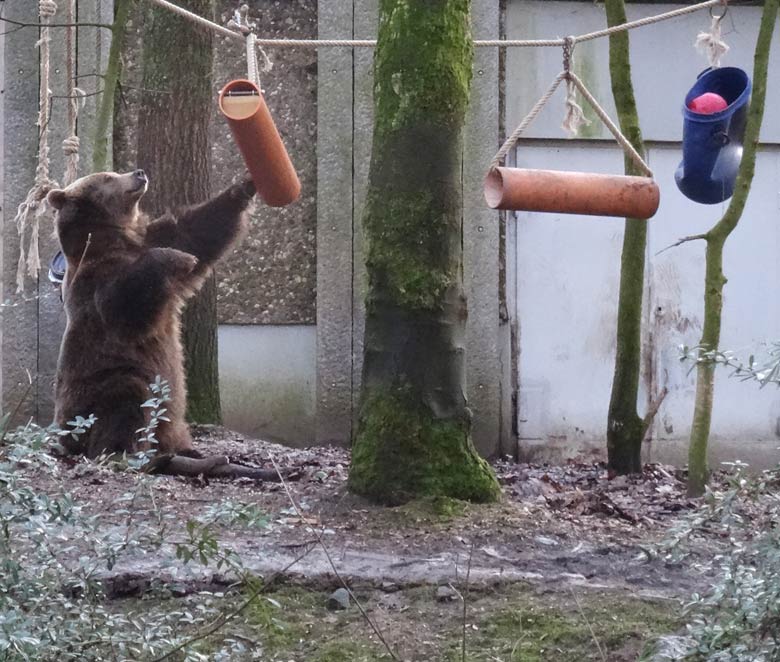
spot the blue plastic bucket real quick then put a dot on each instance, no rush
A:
(712, 144)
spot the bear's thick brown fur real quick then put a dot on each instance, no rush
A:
(127, 279)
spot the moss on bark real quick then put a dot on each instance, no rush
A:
(404, 451)
(413, 430)
(715, 279)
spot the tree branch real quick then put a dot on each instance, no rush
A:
(214, 466)
(655, 405)
(680, 242)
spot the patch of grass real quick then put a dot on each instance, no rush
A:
(274, 619)
(293, 622)
(349, 651)
(535, 631)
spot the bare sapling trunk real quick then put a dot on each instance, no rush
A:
(715, 279)
(625, 428)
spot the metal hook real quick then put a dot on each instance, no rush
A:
(719, 17)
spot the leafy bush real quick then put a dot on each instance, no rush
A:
(53, 552)
(738, 620)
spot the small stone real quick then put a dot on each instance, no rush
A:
(446, 594)
(338, 600)
(549, 542)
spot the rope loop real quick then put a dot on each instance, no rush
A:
(47, 8)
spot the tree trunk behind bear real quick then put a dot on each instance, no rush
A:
(413, 434)
(173, 147)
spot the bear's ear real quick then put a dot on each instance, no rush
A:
(56, 198)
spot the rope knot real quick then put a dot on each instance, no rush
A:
(47, 8)
(568, 53)
(574, 118)
(70, 145)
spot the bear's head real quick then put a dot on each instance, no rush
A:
(105, 199)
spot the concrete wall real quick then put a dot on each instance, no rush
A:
(566, 268)
(267, 381)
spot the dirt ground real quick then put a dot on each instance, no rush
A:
(565, 567)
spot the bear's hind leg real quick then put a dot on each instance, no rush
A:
(116, 430)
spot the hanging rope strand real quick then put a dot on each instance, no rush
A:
(34, 206)
(70, 145)
(251, 59)
(711, 43)
(574, 117)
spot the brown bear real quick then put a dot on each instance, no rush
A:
(126, 281)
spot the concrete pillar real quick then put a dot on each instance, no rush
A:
(50, 315)
(19, 320)
(335, 208)
(32, 323)
(366, 25)
(481, 239)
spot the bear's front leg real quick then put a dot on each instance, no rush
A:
(132, 303)
(208, 230)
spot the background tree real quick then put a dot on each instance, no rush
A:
(105, 109)
(715, 279)
(173, 147)
(413, 434)
(625, 428)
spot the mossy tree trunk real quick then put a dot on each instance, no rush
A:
(413, 437)
(625, 428)
(173, 147)
(715, 279)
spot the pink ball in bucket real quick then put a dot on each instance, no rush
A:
(708, 103)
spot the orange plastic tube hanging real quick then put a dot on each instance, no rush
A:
(571, 193)
(260, 144)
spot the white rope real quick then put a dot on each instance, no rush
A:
(483, 43)
(530, 117)
(251, 59)
(624, 142)
(70, 146)
(628, 148)
(34, 206)
(711, 44)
